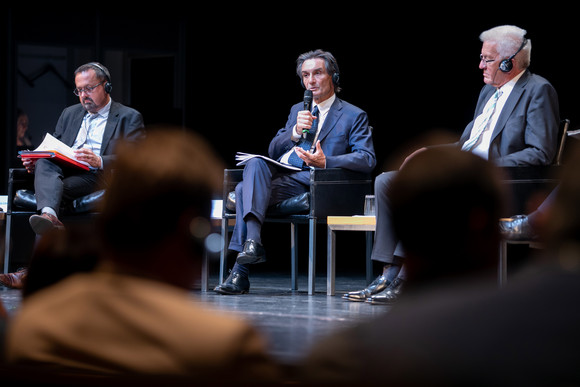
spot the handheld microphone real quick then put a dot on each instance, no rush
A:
(307, 103)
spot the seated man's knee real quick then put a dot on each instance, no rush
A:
(383, 180)
(256, 164)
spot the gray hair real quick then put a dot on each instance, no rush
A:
(509, 39)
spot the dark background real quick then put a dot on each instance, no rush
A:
(229, 73)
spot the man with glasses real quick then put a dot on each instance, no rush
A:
(92, 129)
(515, 123)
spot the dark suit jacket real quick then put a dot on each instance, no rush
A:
(123, 122)
(345, 137)
(526, 132)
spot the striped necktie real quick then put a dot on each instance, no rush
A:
(487, 113)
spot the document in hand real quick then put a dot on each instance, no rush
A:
(243, 158)
(53, 148)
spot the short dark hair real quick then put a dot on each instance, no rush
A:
(329, 61)
(102, 72)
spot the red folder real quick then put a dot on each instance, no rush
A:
(58, 157)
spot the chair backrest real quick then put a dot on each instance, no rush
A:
(562, 134)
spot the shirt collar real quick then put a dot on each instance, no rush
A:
(505, 89)
(104, 112)
(325, 105)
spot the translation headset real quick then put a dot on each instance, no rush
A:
(507, 65)
(108, 86)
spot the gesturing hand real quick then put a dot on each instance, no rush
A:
(316, 159)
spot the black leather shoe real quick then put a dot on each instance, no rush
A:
(253, 252)
(378, 285)
(517, 228)
(389, 295)
(236, 283)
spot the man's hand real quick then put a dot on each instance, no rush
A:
(87, 155)
(316, 159)
(304, 121)
(29, 164)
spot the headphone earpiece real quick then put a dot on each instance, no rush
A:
(336, 79)
(507, 65)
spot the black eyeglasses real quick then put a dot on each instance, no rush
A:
(486, 61)
(88, 89)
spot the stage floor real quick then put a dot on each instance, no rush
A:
(291, 321)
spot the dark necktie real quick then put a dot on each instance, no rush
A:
(305, 142)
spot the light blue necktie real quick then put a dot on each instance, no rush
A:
(305, 142)
(86, 128)
(487, 113)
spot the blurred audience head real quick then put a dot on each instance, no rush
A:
(156, 210)
(446, 205)
(563, 224)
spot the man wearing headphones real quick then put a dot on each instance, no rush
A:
(341, 138)
(515, 123)
(92, 129)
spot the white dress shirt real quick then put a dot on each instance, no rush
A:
(482, 147)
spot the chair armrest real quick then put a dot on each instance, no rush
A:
(231, 178)
(337, 174)
(531, 173)
(527, 186)
(337, 191)
(18, 178)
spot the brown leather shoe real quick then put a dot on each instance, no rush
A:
(42, 223)
(14, 280)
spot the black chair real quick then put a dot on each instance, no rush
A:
(22, 204)
(530, 183)
(333, 191)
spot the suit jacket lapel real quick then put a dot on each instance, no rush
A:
(331, 119)
(112, 121)
(510, 104)
(70, 136)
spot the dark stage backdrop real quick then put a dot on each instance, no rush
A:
(229, 73)
(413, 72)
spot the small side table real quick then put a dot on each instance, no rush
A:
(347, 223)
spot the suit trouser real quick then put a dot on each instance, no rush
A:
(54, 184)
(387, 247)
(263, 185)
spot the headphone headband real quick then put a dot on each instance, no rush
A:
(108, 85)
(506, 65)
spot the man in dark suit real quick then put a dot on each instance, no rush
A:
(515, 123)
(341, 138)
(92, 129)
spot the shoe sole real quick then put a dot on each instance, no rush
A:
(225, 292)
(354, 299)
(42, 225)
(375, 302)
(243, 260)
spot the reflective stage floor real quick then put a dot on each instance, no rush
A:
(292, 321)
